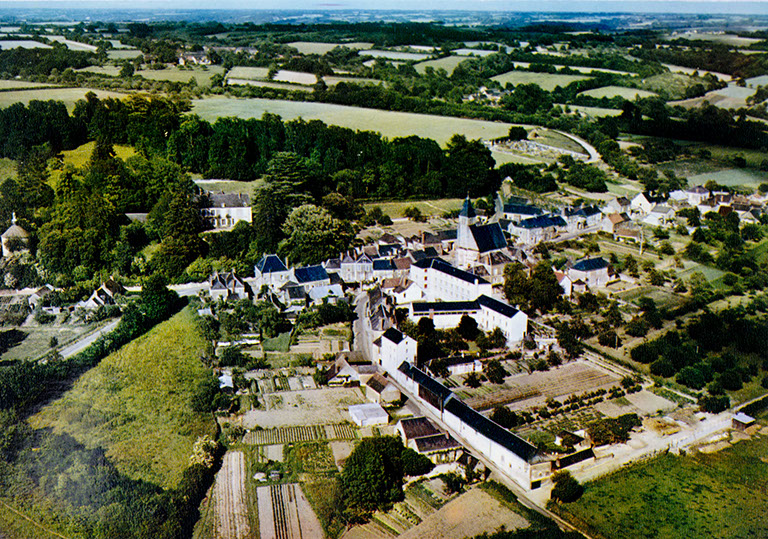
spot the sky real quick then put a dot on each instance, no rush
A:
(676, 6)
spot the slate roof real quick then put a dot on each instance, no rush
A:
(543, 221)
(394, 335)
(383, 264)
(426, 307)
(488, 237)
(522, 209)
(436, 442)
(444, 267)
(467, 210)
(498, 306)
(377, 383)
(270, 264)
(310, 274)
(228, 200)
(491, 430)
(426, 381)
(590, 264)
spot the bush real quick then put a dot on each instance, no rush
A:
(415, 464)
(566, 488)
(505, 417)
(714, 403)
(472, 380)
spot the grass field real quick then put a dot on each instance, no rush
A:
(673, 85)
(547, 81)
(248, 73)
(449, 64)
(229, 186)
(80, 156)
(394, 55)
(716, 37)
(617, 91)
(136, 403)
(594, 112)
(202, 75)
(307, 47)
(389, 124)
(721, 494)
(731, 177)
(69, 96)
(21, 84)
(124, 54)
(427, 207)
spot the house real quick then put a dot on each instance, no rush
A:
(381, 391)
(439, 448)
(489, 313)
(393, 347)
(565, 283)
(271, 271)
(617, 205)
(440, 280)
(356, 269)
(742, 421)
(37, 297)
(592, 271)
(293, 296)
(518, 212)
(330, 293)
(310, 277)
(15, 239)
(580, 218)
(383, 268)
(194, 58)
(104, 295)
(612, 220)
(402, 290)
(627, 232)
(227, 286)
(474, 240)
(368, 414)
(644, 202)
(224, 210)
(660, 215)
(537, 229)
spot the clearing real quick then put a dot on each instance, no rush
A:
(721, 494)
(547, 81)
(69, 96)
(231, 509)
(136, 403)
(617, 91)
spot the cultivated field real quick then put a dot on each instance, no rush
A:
(6, 44)
(449, 64)
(74, 45)
(548, 81)
(721, 494)
(617, 91)
(295, 77)
(307, 47)
(289, 435)
(248, 73)
(333, 81)
(473, 52)
(21, 84)
(136, 403)
(717, 37)
(285, 513)
(269, 84)
(731, 97)
(67, 95)
(389, 124)
(231, 508)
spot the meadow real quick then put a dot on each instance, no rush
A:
(731, 177)
(617, 91)
(389, 124)
(720, 494)
(717, 37)
(201, 74)
(136, 403)
(69, 96)
(124, 54)
(547, 81)
(393, 55)
(80, 156)
(307, 47)
(448, 63)
(434, 208)
(21, 84)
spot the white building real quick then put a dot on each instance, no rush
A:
(271, 271)
(368, 414)
(441, 281)
(394, 348)
(592, 271)
(473, 240)
(660, 215)
(356, 270)
(225, 210)
(537, 229)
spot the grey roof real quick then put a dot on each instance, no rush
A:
(310, 274)
(270, 264)
(383, 264)
(590, 264)
(418, 427)
(522, 209)
(444, 267)
(498, 306)
(436, 442)
(426, 381)
(228, 200)
(543, 221)
(467, 210)
(425, 307)
(491, 430)
(488, 237)
(394, 335)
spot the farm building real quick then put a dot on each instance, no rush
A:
(742, 421)
(381, 391)
(368, 414)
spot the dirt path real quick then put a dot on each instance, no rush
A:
(231, 510)
(25, 517)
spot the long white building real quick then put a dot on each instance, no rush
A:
(441, 281)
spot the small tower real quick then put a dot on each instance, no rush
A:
(14, 239)
(467, 218)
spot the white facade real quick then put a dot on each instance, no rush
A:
(441, 281)
(395, 349)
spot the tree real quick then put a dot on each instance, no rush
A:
(517, 132)
(495, 372)
(505, 417)
(566, 488)
(516, 284)
(469, 167)
(373, 474)
(415, 464)
(468, 328)
(313, 235)
(544, 289)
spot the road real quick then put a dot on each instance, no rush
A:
(82, 344)
(594, 157)
(361, 328)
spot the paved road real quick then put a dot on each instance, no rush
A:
(361, 327)
(82, 344)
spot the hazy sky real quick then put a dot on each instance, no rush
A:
(688, 6)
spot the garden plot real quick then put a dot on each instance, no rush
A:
(285, 435)
(285, 513)
(341, 451)
(231, 516)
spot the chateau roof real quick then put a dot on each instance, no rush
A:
(270, 264)
(590, 264)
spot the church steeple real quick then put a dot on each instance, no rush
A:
(467, 218)
(467, 210)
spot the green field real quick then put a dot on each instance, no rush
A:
(716, 37)
(427, 207)
(547, 81)
(124, 54)
(201, 74)
(136, 403)
(449, 64)
(307, 47)
(721, 494)
(229, 186)
(672, 85)
(731, 178)
(69, 96)
(21, 84)
(617, 91)
(79, 157)
(389, 124)
(593, 112)
(248, 73)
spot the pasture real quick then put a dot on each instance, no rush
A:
(69, 96)
(6, 44)
(123, 54)
(389, 124)
(248, 73)
(309, 47)
(201, 74)
(434, 208)
(547, 81)
(731, 178)
(135, 404)
(448, 63)
(21, 84)
(717, 37)
(719, 494)
(394, 55)
(617, 91)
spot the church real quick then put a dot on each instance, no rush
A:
(480, 245)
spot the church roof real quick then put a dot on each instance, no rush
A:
(488, 237)
(467, 210)
(15, 231)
